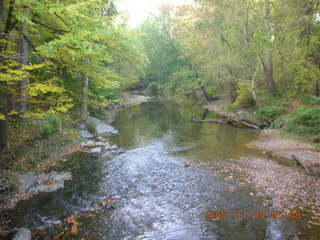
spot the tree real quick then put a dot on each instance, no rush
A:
(47, 57)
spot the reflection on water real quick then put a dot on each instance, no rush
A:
(157, 194)
(209, 142)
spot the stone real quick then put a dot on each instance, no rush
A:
(27, 182)
(96, 150)
(100, 144)
(23, 234)
(114, 147)
(102, 129)
(43, 182)
(49, 188)
(86, 134)
(273, 231)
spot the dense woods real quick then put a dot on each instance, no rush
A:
(263, 56)
(58, 56)
(241, 49)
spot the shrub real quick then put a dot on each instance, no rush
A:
(213, 91)
(51, 125)
(153, 87)
(305, 120)
(269, 113)
(315, 100)
(245, 98)
(280, 122)
(316, 139)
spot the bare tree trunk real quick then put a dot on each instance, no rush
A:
(268, 65)
(317, 92)
(268, 73)
(84, 108)
(1, 10)
(4, 143)
(205, 93)
(24, 51)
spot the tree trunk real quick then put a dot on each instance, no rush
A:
(317, 92)
(268, 65)
(24, 51)
(233, 90)
(4, 143)
(1, 10)
(205, 93)
(268, 73)
(84, 108)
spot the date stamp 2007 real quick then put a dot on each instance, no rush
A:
(244, 214)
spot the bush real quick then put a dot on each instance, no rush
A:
(51, 125)
(213, 91)
(153, 87)
(269, 113)
(280, 122)
(245, 98)
(304, 120)
(316, 139)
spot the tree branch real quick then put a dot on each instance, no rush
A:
(50, 27)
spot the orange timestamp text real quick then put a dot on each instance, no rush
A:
(244, 214)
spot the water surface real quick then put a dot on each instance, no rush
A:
(156, 191)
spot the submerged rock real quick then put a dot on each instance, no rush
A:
(100, 128)
(22, 234)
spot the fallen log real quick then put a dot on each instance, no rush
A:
(233, 122)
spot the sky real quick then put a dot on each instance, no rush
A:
(138, 10)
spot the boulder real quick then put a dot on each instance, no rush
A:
(86, 134)
(100, 128)
(49, 182)
(96, 150)
(22, 234)
(27, 182)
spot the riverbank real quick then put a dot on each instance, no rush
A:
(273, 142)
(42, 156)
(287, 175)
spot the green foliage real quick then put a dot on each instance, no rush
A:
(245, 98)
(315, 100)
(213, 90)
(316, 139)
(304, 120)
(51, 125)
(269, 113)
(153, 87)
(280, 122)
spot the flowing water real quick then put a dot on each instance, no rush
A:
(152, 190)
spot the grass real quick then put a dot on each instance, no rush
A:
(299, 119)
